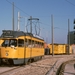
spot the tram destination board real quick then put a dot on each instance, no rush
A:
(7, 34)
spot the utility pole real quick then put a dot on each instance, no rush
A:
(68, 36)
(52, 35)
(13, 17)
(18, 21)
(30, 24)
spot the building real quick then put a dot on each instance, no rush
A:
(72, 38)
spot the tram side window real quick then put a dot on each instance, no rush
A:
(29, 43)
(26, 42)
(21, 43)
(42, 45)
(36, 44)
(33, 43)
(39, 45)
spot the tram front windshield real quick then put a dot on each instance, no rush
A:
(9, 42)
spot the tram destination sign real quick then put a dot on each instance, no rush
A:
(7, 34)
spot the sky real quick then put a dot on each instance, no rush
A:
(62, 10)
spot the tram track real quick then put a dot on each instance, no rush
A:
(62, 67)
(12, 69)
(9, 70)
(40, 67)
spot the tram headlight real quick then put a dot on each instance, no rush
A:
(6, 54)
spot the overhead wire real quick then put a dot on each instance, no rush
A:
(70, 2)
(18, 8)
(29, 15)
(24, 11)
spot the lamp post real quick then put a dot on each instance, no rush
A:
(13, 17)
(52, 35)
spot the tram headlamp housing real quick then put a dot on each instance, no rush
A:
(6, 54)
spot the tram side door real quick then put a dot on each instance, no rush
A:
(21, 48)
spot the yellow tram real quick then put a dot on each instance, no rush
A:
(19, 47)
(1, 41)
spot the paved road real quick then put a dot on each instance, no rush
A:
(69, 69)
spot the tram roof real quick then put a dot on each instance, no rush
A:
(14, 34)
